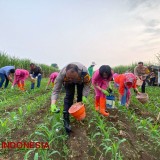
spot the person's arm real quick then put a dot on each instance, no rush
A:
(39, 70)
(14, 81)
(135, 87)
(87, 85)
(94, 81)
(57, 88)
(135, 71)
(121, 90)
(10, 78)
(49, 82)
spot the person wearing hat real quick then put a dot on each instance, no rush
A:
(100, 81)
(141, 72)
(74, 74)
(125, 82)
(6, 75)
(90, 69)
(20, 76)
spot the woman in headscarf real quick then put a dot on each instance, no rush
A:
(125, 82)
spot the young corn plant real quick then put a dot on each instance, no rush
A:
(4, 129)
(14, 119)
(115, 149)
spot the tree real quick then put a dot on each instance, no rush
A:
(158, 58)
(54, 65)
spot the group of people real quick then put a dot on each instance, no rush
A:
(20, 75)
(77, 75)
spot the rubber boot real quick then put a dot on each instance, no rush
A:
(66, 122)
(22, 87)
(97, 102)
(19, 85)
(103, 106)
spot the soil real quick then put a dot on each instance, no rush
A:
(19, 135)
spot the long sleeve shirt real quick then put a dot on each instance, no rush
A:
(98, 80)
(37, 70)
(20, 75)
(62, 79)
(6, 70)
(52, 77)
(121, 79)
(141, 71)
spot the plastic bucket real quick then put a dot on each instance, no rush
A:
(110, 101)
(142, 97)
(77, 110)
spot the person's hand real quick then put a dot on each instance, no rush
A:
(54, 108)
(119, 103)
(33, 80)
(105, 92)
(84, 99)
(138, 93)
(110, 90)
(39, 74)
(127, 105)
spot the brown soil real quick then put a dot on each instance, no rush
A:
(131, 149)
(78, 142)
(142, 113)
(19, 135)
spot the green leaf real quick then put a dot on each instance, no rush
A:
(36, 156)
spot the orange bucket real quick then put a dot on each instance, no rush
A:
(77, 110)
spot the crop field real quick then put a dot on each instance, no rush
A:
(26, 117)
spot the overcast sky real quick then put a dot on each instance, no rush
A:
(114, 32)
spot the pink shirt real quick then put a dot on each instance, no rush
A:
(52, 77)
(20, 75)
(98, 80)
(102, 83)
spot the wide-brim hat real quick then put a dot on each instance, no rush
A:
(93, 63)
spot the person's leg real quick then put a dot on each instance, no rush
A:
(143, 86)
(79, 92)
(151, 81)
(32, 84)
(103, 106)
(128, 97)
(2, 79)
(52, 81)
(154, 80)
(6, 83)
(19, 85)
(97, 99)
(103, 101)
(124, 98)
(39, 80)
(22, 85)
(68, 101)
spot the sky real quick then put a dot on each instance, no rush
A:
(112, 32)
